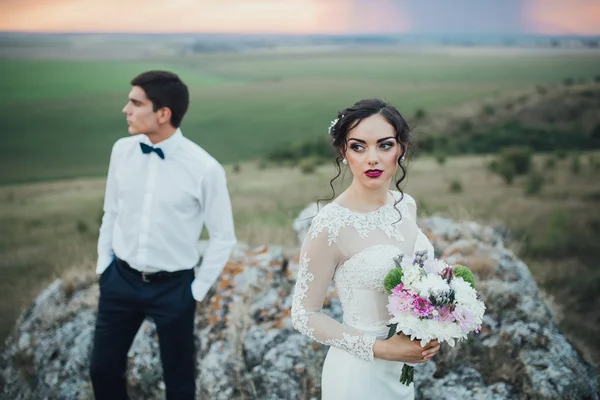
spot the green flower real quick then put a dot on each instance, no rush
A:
(463, 272)
(392, 279)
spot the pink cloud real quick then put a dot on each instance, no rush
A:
(573, 17)
(258, 16)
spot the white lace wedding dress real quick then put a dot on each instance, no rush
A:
(355, 250)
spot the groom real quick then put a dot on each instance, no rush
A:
(161, 190)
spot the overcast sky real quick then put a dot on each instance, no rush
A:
(304, 16)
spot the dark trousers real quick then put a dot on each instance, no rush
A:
(126, 298)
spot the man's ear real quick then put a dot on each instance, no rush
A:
(164, 115)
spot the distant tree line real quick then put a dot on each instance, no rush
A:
(511, 133)
(489, 141)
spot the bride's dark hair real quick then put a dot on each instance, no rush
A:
(349, 118)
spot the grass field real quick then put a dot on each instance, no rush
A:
(48, 228)
(60, 118)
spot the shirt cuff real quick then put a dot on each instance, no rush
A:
(200, 289)
(103, 263)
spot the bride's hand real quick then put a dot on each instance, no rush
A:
(401, 348)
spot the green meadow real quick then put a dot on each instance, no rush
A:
(59, 118)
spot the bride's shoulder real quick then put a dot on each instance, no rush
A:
(407, 204)
(328, 220)
(404, 198)
(325, 213)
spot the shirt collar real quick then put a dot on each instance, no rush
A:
(167, 145)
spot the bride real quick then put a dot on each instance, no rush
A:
(353, 241)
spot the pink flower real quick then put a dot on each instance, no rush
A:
(398, 289)
(444, 315)
(423, 308)
(464, 317)
(399, 302)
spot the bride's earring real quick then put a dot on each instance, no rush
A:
(402, 158)
(344, 161)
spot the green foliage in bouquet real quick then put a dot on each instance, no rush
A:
(392, 279)
(463, 272)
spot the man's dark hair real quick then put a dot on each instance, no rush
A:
(165, 89)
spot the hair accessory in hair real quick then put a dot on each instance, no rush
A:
(333, 124)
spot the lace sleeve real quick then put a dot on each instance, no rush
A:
(422, 242)
(318, 260)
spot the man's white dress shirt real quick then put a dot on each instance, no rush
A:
(155, 209)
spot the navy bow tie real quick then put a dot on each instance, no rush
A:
(149, 149)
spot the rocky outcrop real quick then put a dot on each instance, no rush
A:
(247, 348)
(520, 352)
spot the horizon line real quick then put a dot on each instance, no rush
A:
(341, 34)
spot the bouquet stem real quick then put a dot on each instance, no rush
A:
(408, 375)
(408, 372)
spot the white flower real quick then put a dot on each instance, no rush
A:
(411, 275)
(464, 291)
(432, 284)
(467, 297)
(426, 330)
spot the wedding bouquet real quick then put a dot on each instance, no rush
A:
(429, 299)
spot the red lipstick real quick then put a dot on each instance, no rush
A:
(374, 173)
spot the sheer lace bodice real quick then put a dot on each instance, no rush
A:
(356, 251)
